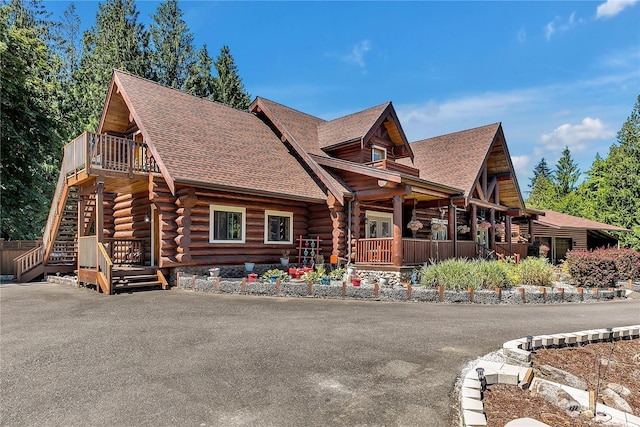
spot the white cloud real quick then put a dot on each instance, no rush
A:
(522, 35)
(613, 7)
(549, 30)
(521, 165)
(576, 137)
(356, 56)
(558, 25)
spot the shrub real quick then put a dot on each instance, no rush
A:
(275, 272)
(337, 274)
(592, 268)
(451, 274)
(494, 274)
(627, 262)
(535, 271)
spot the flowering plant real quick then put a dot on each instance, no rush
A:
(414, 225)
(484, 225)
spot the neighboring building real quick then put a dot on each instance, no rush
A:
(173, 181)
(562, 232)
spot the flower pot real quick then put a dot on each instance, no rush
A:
(383, 281)
(249, 266)
(326, 280)
(214, 272)
(284, 261)
(273, 279)
(356, 281)
(351, 270)
(253, 277)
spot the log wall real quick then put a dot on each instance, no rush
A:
(129, 212)
(193, 227)
(161, 197)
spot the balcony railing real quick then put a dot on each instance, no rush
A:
(106, 152)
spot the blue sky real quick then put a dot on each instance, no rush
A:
(554, 73)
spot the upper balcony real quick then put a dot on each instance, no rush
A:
(93, 154)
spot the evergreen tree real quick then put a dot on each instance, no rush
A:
(541, 169)
(116, 41)
(29, 118)
(617, 200)
(172, 57)
(228, 87)
(566, 173)
(199, 81)
(543, 194)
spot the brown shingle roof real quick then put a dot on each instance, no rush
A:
(560, 220)
(201, 141)
(349, 128)
(454, 159)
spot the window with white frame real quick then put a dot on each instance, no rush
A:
(379, 224)
(227, 224)
(378, 153)
(278, 227)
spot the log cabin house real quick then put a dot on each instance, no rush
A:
(172, 181)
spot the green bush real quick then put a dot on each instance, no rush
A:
(337, 274)
(451, 274)
(494, 274)
(275, 272)
(592, 268)
(535, 271)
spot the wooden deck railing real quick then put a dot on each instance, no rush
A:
(375, 251)
(120, 154)
(418, 251)
(27, 261)
(125, 251)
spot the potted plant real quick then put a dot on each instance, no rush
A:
(284, 260)
(356, 281)
(273, 274)
(249, 266)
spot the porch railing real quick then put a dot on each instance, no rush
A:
(379, 251)
(105, 270)
(125, 251)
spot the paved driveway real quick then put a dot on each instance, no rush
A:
(71, 357)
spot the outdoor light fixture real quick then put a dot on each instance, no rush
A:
(482, 379)
(147, 218)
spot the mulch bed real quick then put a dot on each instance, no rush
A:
(597, 364)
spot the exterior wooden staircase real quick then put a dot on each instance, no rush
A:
(85, 158)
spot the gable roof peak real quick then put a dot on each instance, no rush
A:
(377, 107)
(269, 101)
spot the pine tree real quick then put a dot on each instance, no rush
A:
(172, 56)
(117, 40)
(29, 119)
(541, 169)
(543, 194)
(566, 173)
(199, 81)
(228, 87)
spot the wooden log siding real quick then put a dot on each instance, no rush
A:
(129, 211)
(108, 211)
(161, 197)
(320, 225)
(192, 228)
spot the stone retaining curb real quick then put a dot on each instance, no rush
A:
(517, 371)
(337, 289)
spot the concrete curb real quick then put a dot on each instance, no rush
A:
(517, 369)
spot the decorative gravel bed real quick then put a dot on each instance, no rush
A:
(597, 364)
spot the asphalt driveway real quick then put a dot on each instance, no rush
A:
(72, 357)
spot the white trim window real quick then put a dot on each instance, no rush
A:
(278, 227)
(227, 224)
(378, 153)
(379, 224)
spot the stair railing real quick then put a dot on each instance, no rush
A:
(27, 261)
(105, 270)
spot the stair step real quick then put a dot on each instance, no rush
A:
(119, 285)
(134, 278)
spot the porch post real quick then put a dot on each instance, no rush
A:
(397, 231)
(474, 223)
(507, 229)
(492, 230)
(453, 227)
(100, 212)
(80, 219)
